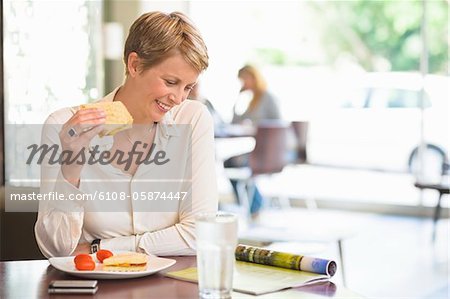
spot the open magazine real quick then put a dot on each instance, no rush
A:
(259, 271)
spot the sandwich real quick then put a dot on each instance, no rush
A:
(117, 117)
(126, 262)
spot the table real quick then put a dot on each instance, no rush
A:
(30, 279)
(234, 131)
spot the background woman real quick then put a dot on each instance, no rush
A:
(263, 105)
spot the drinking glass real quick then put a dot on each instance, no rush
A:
(216, 243)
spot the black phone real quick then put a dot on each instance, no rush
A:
(73, 287)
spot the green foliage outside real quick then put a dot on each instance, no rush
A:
(378, 35)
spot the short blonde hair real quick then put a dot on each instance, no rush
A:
(155, 36)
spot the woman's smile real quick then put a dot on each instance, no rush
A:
(163, 107)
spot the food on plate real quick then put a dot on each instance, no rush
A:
(103, 254)
(126, 262)
(82, 256)
(117, 117)
(84, 262)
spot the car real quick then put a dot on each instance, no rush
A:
(374, 122)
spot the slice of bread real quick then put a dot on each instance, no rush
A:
(117, 117)
(126, 262)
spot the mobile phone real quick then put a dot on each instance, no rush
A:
(73, 287)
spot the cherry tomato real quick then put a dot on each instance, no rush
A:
(82, 257)
(85, 265)
(103, 254)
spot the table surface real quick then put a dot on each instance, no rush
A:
(30, 279)
(234, 131)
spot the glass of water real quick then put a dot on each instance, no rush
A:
(216, 243)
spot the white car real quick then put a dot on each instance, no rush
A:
(374, 122)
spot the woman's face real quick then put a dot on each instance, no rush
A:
(164, 86)
(247, 81)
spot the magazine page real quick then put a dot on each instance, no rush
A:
(258, 279)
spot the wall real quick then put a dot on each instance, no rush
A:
(124, 13)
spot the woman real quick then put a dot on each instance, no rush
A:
(164, 55)
(263, 105)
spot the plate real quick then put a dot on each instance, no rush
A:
(66, 264)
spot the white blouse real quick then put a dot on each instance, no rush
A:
(137, 222)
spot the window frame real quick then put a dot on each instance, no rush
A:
(2, 103)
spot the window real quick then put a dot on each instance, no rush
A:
(356, 98)
(396, 98)
(52, 59)
(2, 161)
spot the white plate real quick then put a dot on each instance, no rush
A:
(66, 264)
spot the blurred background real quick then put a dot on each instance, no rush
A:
(369, 78)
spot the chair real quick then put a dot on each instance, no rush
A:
(300, 129)
(299, 155)
(269, 156)
(442, 186)
(270, 153)
(17, 229)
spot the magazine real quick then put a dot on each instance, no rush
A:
(260, 271)
(285, 260)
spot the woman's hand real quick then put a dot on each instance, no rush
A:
(75, 136)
